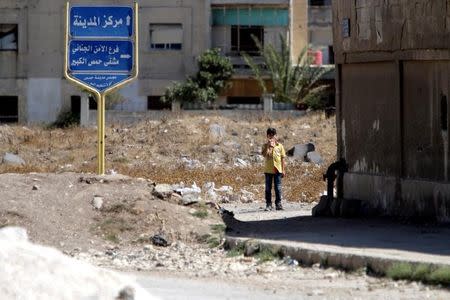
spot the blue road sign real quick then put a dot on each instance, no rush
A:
(101, 21)
(91, 56)
(100, 46)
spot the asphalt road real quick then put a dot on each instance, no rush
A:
(172, 288)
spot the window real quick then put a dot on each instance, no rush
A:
(8, 36)
(242, 41)
(155, 103)
(9, 109)
(92, 103)
(319, 2)
(243, 100)
(166, 36)
(331, 55)
(75, 105)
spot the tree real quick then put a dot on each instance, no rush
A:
(291, 82)
(214, 70)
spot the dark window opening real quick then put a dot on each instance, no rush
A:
(8, 37)
(9, 109)
(75, 105)
(242, 40)
(155, 103)
(319, 2)
(331, 55)
(92, 103)
(243, 100)
(444, 113)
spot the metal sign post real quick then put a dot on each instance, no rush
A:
(101, 55)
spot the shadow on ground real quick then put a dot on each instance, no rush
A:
(354, 233)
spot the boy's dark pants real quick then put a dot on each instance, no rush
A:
(269, 179)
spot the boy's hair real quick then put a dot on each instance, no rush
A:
(271, 131)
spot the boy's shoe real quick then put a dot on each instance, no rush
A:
(279, 207)
(268, 208)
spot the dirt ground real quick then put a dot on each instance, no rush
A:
(52, 195)
(61, 163)
(180, 149)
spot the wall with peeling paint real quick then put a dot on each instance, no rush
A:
(393, 88)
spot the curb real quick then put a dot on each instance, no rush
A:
(308, 257)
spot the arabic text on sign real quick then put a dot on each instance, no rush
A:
(100, 56)
(101, 81)
(101, 21)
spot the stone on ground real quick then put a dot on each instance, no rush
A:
(12, 159)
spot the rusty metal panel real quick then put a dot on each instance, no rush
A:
(425, 142)
(387, 26)
(370, 123)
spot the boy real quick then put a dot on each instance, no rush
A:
(275, 168)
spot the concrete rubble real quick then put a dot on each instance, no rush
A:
(59, 276)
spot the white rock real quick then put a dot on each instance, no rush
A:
(12, 159)
(60, 277)
(163, 190)
(194, 189)
(13, 234)
(216, 133)
(240, 163)
(97, 202)
(225, 189)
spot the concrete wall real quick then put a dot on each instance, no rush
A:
(34, 72)
(320, 30)
(299, 26)
(392, 89)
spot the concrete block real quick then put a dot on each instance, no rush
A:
(300, 150)
(323, 208)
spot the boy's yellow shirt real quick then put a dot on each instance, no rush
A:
(274, 162)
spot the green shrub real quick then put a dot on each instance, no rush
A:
(214, 70)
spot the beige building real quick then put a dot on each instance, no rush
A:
(173, 33)
(320, 30)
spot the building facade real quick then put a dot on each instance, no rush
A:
(173, 33)
(320, 31)
(393, 87)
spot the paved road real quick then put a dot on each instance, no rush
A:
(172, 288)
(368, 237)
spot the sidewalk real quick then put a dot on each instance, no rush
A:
(343, 243)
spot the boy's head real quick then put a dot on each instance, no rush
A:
(271, 132)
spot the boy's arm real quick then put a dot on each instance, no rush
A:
(265, 150)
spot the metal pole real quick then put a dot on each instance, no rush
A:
(103, 131)
(100, 133)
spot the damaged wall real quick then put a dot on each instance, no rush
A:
(391, 25)
(393, 87)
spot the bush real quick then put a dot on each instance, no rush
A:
(214, 71)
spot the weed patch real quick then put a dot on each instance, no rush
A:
(422, 272)
(218, 228)
(265, 255)
(111, 228)
(236, 251)
(201, 213)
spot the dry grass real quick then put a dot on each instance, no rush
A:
(153, 149)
